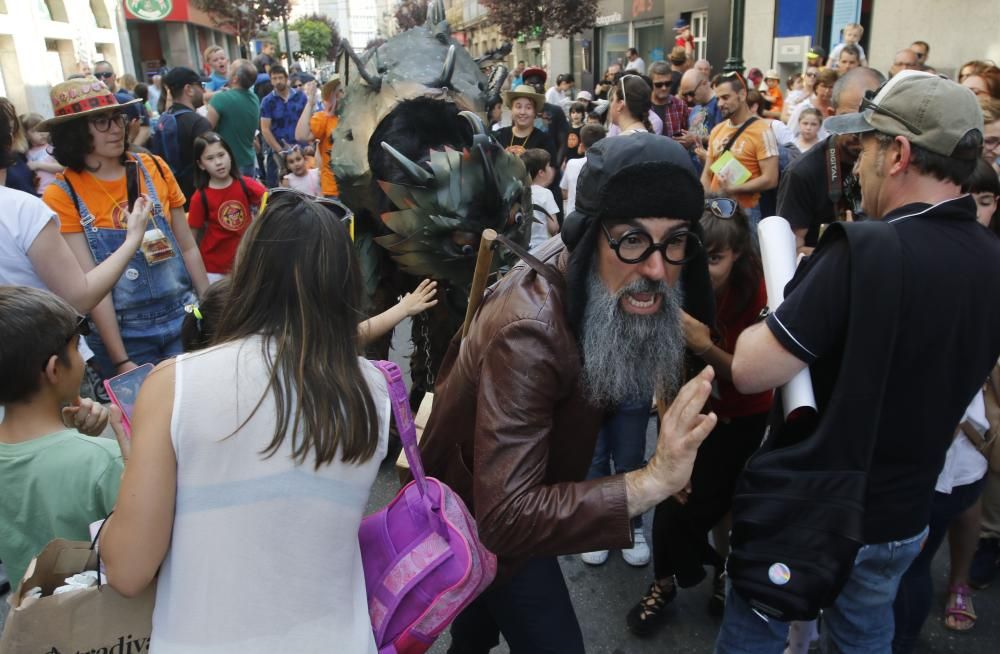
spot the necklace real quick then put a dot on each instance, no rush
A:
(522, 143)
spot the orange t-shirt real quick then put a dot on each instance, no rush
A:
(322, 125)
(777, 100)
(108, 200)
(756, 143)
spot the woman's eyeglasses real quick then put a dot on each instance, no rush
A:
(724, 208)
(345, 215)
(635, 246)
(103, 122)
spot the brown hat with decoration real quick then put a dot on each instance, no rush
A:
(525, 91)
(79, 97)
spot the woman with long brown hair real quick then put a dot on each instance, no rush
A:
(251, 461)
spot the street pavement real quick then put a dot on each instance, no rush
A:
(602, 596)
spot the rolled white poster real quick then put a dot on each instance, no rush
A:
(778, 254)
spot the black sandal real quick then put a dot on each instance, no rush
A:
(648, 615)
(717, 603)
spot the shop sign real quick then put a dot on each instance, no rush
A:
(154, 9)
(608, 19)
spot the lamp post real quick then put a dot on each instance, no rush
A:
(735, 60)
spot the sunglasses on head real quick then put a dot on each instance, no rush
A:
(868, 102)
(624, 77)
(724, 208)
(735, 74)
(345, 215)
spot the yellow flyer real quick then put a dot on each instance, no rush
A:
(729, 170)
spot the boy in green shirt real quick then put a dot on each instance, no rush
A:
(54, 481)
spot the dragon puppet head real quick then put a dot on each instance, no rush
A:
(411, 154)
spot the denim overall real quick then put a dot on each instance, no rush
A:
(149, 299)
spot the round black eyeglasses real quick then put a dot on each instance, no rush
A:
(635, 246)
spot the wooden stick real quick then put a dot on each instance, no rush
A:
(484, 261)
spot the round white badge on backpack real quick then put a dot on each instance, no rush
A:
(779, 574)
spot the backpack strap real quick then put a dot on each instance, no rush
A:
(400, 401)
(545, 271)
(159, 169)
(243, 185)
(739, 133)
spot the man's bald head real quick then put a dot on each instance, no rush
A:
(851, 87)
(904, 59)
(694, 87)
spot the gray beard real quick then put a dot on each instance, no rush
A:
(628, 357)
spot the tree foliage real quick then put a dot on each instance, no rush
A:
(246, 22)
(319, 37)
(410, 13)
(539, 20)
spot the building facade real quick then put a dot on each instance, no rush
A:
(176, 32)
(362, 23)
(44, 41)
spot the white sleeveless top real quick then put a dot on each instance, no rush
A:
(264, 553)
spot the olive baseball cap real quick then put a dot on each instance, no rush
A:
(930, 111)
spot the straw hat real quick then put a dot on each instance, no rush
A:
(80, 97)
(772, 74)
(524, 91)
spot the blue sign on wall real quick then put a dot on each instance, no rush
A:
(796, 18)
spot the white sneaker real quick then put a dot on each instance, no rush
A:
(594, 558)
(638, 555)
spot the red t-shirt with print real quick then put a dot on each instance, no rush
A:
(229, 214)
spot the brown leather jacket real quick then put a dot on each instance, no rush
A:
(511, 433)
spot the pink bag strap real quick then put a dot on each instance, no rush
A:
(404, 420)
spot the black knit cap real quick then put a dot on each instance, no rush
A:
(638, 176)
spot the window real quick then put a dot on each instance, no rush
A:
(53, 10)
(699, 30)
(100, 12)
(614, 42)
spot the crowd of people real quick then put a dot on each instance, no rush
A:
(194, 223)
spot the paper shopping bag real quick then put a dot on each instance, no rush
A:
(86, 620)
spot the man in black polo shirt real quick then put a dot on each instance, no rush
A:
(920, 137)
(187, 91)
(809, 186)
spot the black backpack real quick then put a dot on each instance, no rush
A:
(165, 143)
(799, 506)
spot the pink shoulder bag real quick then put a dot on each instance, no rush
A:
(421, 554)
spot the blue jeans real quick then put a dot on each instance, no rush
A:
(622, 439)
(916, 589)
(249, 171)
(859, 622)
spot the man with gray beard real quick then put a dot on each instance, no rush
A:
(554, 347)
(625, 355)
